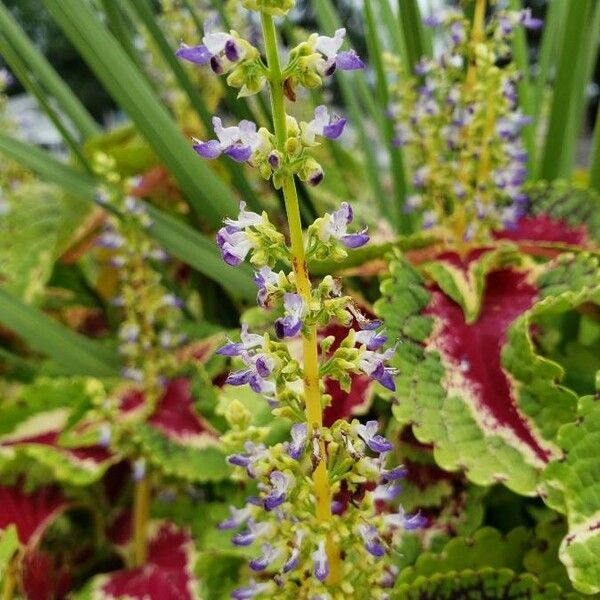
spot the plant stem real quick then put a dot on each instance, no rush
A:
(141, 514)
(477, 34)
(312, 391)
(10, 579)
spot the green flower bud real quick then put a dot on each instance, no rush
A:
(277, 8)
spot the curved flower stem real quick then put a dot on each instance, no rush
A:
(477, 35)
(141, 514)
(312, 391)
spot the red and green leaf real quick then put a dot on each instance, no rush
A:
(167, 575)
(39, 425)
(471, 382)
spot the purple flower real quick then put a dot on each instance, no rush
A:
(291, 324)
(528, 21)
(373, 365)
(139, 469)
(371, 540)
(394, 474)
(432, 21)
(368, 433)
(293, 561)
(238, 142)
(254, 453)
(248, 342)
(254, 531)
(234, 245)
(321, 563)
(334, 59)
(269, 554)
(336, 225)
(401, 520)
(220, 49)
(324, 125)
(299, 433)
(277, 495)
(238, 517)
(260, 366)
(251, 591)
(265, 278)
(387, 492)
(371, 339)
(110, 239)
(246, 218)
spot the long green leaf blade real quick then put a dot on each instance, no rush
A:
(417, 41)
(79, 355)
(46, 75)
(177, 238)
(205, 192)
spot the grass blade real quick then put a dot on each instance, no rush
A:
(205, 192)
(572, 61)
(72, 351)
(179, 239)
(46, 75)
(402, 220)
(418, 43)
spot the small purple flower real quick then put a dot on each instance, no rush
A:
(105, 435)
(133, 374)
(254, 453)
(220, 50)
(369, 435)
(248, 341)
(457, 32)
(299, 433)
(293, 561)
(234, 245)
(394, 474)
(250, 535)
(238, 517)
(246, 218)
(429, 219)
(277, 495)
(371, 339)
(387, 492)
(336, 225)
(265, 278)
(139, 469)
(251, 591)
(129, 332)
(110, 240)
(291, 324)
(373, 365)
(528, 21)
(324, 125)
(334, 59)
(238, 142)
(321, 563)
(269, 554)
(401, 520)
(371, 540)
(432, 21)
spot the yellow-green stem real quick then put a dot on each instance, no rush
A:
(312, 391)
(10, 579)
(477, 35)
(141, 514)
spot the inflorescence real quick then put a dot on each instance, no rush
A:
(323, 521)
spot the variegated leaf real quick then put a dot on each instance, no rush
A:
(479, 392)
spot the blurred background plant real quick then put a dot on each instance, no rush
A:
(500, 327)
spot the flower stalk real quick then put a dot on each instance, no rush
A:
(141, 515)
(312, 390)
(10, 579)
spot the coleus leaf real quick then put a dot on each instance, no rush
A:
(34, 425)
(42, 578)
(479, 392)
(167, 575)
(32, 513)
(175, 439)
(486, 584)
(576, 477)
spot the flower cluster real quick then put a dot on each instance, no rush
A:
(320, 56)
(459, 123)
(148, 333)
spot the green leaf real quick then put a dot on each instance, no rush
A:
(486, 584)
(417, 40)
(196, 465)
(594, 168)
(46, 75)
(205, 192)
(39, 226)
(177, 238)
(576, 477)
(75, 353)
(486, 548)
